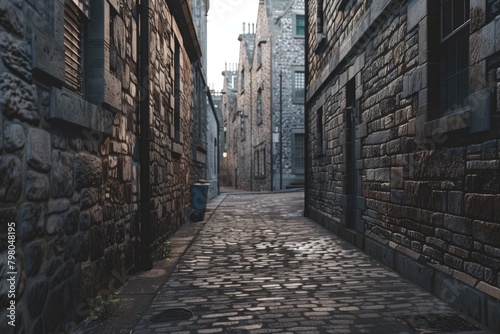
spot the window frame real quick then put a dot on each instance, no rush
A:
(296, 145)
(76, 16)
(448, 107)
(296, 98)
(296, 25)
(259, 107)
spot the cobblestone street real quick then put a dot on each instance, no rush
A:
(258, 266)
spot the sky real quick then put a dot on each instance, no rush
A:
(225, 24)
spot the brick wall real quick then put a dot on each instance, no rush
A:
(69, 165)
(417, 189)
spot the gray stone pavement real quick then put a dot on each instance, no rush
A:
(257, 266)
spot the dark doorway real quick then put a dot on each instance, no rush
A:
(351, 177)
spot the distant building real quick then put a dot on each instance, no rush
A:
(266, 131)
(98, 145)
(228, 109)
(403, 139)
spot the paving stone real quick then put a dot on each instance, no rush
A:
(257, 268)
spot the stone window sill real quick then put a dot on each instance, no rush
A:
(320, 43)
(458, 121)
(71, 108)
(177, 149)
(259, 177)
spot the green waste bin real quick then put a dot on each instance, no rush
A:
(199, 199)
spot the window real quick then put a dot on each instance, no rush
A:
(242, 125)
(319, 17)
(300, 25)
(260, 162)
(299, 79)
(242, 88)
(454, 54)
(259, 106)
(298, 153)
(75, 19)
(177, 93)
(263, 161)
(320, 148)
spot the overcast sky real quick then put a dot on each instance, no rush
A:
(225, 19)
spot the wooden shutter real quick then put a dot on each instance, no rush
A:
(73, 46)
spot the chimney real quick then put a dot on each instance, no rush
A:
(253, 28)
(243, 28)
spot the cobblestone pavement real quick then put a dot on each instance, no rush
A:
(258, 266)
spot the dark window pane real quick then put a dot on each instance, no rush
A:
(458, 13)
(301, 25)
(463, 49)
(446, 18)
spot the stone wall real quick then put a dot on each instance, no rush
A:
(266, 52)
(288, 56)
(418, 192)
(69, 165)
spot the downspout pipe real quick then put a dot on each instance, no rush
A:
(143, 258)
(212, 106)
(306, 120)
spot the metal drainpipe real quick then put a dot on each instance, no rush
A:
(143, 260)
(271, 112)
(306, 121)
(281, 129)
(251, 133)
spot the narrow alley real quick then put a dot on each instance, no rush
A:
(259, 266)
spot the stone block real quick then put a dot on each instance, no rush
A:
(485, 232)
(37, 186)
(461, 241)
(68, 107)
(479, 206)
(456, 202)
(442, 164)
(379, 137)
(457, 224)
(54, 225)
(61, 179)
(31, 221)
(38, 150)
(18, 99)
(34, 255)
(477, 14)
(482, 43)
(415, 11)
(48, 56)
(414, 271)
(89, 198)
(453, 262)
(14, 137)
(70, 221)
(11, 17)
(489, 150)
(88, 171)
(97, 242)
(57, 206)
(16, 55)
(10, 178)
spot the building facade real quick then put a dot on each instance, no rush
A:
(96, 147)
(228, 108)
(403, 139)
(269, 145)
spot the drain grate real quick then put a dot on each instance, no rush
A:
(173, 314)
(438, 323)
